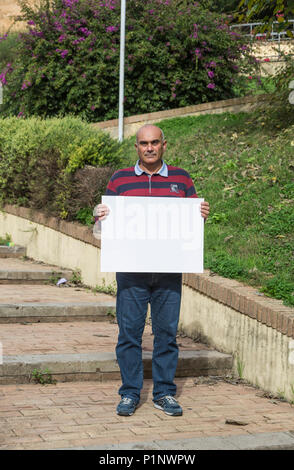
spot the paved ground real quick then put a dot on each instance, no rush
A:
(14, 294)
(218, 414)
(82, 414)
(72, 337)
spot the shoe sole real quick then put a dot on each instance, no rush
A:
(121, 413)
(178, 413)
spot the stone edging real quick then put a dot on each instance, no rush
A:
(72, 229)
(244, 299)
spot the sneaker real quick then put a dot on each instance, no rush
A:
(169, 405)
(126, 406)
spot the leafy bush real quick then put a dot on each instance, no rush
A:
(40, 162)
(7, 48)
(177, 54)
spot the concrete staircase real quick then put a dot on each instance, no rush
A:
(68, 333)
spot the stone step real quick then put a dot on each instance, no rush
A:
(101, 366)
(15, 251)
(48, 303)
(80, 351)
(26, 271)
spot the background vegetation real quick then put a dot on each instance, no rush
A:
(58, 165)
(177, 53)
(245, 169)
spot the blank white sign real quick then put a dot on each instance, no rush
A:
(152, 234)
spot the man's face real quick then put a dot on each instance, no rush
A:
(150, 146)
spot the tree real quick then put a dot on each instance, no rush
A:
(268, 11)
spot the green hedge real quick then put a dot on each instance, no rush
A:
(58, 165)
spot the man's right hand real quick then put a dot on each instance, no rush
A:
(101, 211)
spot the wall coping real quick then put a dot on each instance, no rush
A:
(171, 113)
(72, 229)
(234, 294)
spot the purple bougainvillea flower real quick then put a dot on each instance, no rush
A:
(85, 31)
(210, 73)
(3, 78)
(64, 53)
(111, 29)
(211, 85)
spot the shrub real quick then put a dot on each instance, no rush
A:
(40, 162)
(177, 54)
(7, 45)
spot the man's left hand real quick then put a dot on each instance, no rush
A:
(204, 208)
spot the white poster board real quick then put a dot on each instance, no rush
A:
(152, 234)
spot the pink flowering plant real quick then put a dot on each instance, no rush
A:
(177, 54)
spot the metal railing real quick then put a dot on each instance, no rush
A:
(248, 29)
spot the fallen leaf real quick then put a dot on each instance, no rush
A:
(236, 422)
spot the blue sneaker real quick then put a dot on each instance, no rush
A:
(169, 405)
(126, 406)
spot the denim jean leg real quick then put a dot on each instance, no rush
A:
(131, 309)
(165, 311)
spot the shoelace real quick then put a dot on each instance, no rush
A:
(171, 400)
(126, 400)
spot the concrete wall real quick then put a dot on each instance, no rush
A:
(230, 316)
(56, 242)
(266, 354)
(270, 54)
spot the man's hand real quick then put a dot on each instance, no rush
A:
(204, 208)
(101, 211)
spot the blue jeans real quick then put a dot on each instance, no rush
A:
(134, 292)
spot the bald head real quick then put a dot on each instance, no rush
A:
(147, 127)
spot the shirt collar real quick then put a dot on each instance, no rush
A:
(162, 172)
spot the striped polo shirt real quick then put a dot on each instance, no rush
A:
(169, 181)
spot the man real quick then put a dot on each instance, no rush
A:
(151, 176)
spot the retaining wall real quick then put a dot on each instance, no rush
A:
(230, 316)
(133, 123)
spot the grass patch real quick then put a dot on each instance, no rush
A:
(246, 172)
